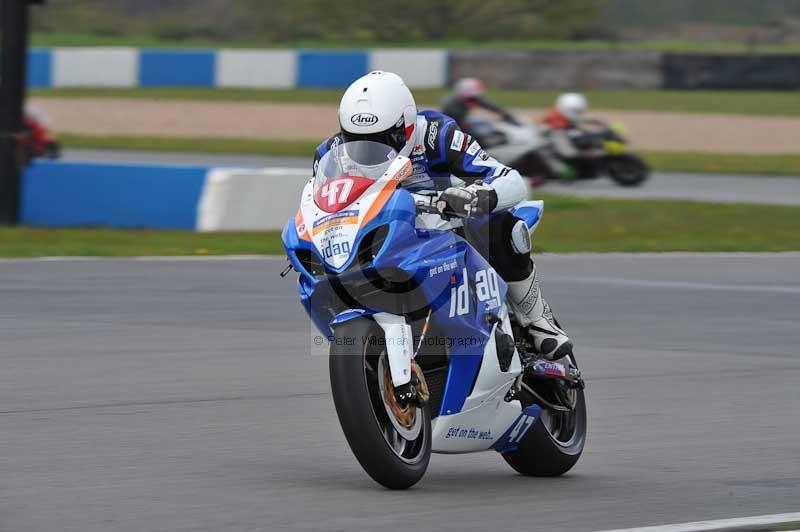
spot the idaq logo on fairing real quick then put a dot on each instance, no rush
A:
(486, 288)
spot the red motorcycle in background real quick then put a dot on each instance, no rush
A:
(38, 140)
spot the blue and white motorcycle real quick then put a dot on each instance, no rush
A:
(425, 354)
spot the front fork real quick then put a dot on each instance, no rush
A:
(408, 381)
(399, 339)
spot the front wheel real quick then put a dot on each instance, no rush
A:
(554, 444)
(392, 443)
(627, 170)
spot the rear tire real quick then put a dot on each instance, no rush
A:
(533, 166)
(553, 445)
(627, 170)
(358, 394)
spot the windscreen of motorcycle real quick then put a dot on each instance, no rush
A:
(361, 158)
(341, 177)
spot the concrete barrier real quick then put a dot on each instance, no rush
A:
(60, 194)
(40, 68)
(421, 68)
(250, 200)
(254, 69)
(179, 68)
(95, 67)
(64, 194)
(130, 67)
(418, 68)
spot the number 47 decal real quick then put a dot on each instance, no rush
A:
(521, 428)
(340, 188)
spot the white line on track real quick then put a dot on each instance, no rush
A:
(681, 285)
(741, 524)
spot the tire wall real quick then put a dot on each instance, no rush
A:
(625, 69)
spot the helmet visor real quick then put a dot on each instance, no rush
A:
(395, 136)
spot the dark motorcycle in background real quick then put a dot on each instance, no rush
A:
(599, 150)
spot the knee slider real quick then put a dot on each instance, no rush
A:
(521, 238)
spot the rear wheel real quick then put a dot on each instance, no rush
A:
(554, 444)
(391, 442)
(533, 166)
(627, 170)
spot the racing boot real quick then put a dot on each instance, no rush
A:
(534, 314)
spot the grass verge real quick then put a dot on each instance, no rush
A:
(725, 163)
(664, 161)
(292, 148)
(604, 225)
(97, 242)
(765, 103)
(570, 225)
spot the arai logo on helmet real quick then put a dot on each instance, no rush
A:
(364, 119)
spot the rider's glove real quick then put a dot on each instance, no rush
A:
(486, 198)
(474, 200)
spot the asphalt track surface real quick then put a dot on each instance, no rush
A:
(700, 187)
(175, 395)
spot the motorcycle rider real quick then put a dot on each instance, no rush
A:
(568, 112)
(379, 107)
(38, 139)
(468, 95)
(562, 127)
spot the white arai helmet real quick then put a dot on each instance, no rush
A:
(572, 105)
(380, 108)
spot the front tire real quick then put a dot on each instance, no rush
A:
(553, 445)
(393, 445)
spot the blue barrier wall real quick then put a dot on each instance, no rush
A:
(57, 194)
(320, 69)
(179, 68)
(428, 68)
(40, 68)
(69, 67)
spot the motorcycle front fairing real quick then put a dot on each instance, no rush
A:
(440, 263)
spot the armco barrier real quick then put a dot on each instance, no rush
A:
(62, 194)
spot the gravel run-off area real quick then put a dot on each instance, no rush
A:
(714, 133)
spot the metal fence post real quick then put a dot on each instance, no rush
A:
(14, 18)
